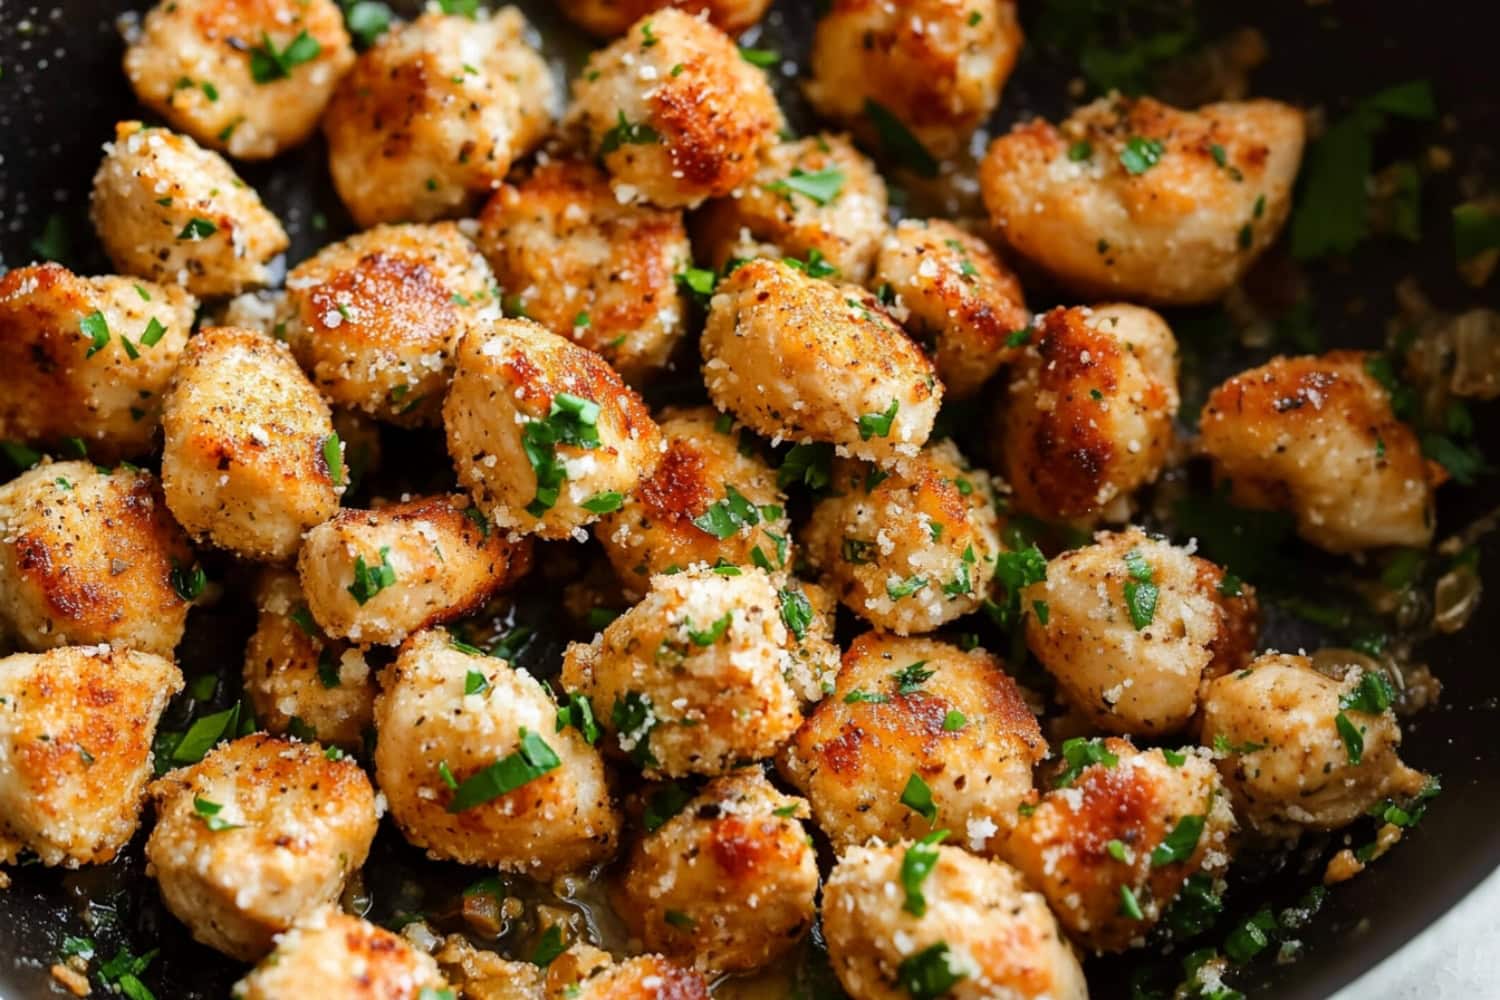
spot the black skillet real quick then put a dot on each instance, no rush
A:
(61, 89)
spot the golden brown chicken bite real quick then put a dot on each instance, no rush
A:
(299, 680)
(644, 977)
(247, 76)
(607, 18)
(342, 957)
(76, 726)
(934, 66)
(601, 272)
(1087, 417)
(1131, 198)
(1300, 750)
(708, 502)
(950, 290)
(817, 199)
(673, 112)
(374, 319)
(907, 550)
(1121, 830)
(968, 929)
(694, 678)
(727, 884)
(90, 556)
(87, 358)
(916, 734)
(1316, 436)
(376, 576)
(802, 359)
(250, 461)
(1132, 624)
(476, 770)
(543, 433)
(169, 210)
(260, 832)
(433, 115)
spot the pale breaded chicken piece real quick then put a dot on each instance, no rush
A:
(607, 18)
(1134, 199)
(1316, 436)
(432, 116)
(978, 933)
(800, 359)
(377, 576)
(543, 433)
(342, 957)
(916, 734)
(935, 66)
(90, 556)
(250, 77)
(673, 112)
(1288, 761)
(571, 256)
(817, 199)
(260, 832)
(76, 726)
(728, 883)
(374, 319)
(956, 296)
(470, 757)
(87, 358)
(251, 460)
(1130, 625)
(1087, 417)
(167, 209)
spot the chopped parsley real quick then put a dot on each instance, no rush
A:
(531, 761)
(878, 424)
(206, 731)
(197, 229)
(606, 502)
(371, 580)
(474, 681)
(366, 20)
(816, 265)
(929, 973)
(1140, 154)
(662, 804)
(577, 711)
(796, 611)
(897, 141)
(1141, 592)
(633, 719)
(954, 721)
(208, 812)
(328, 669)
(916, 864)
(910, 678)
(1178, 845)
(917, 797)
(625, 133)
(1129, 905)
(333, 457)
(570, 420)
(760, 57)
(267, 63)
(1372, 695)
(808, 464)
(819, 186)
(1080, 151)
(729, 515)
(1354, 741)
(549, 947)
(188, 581)
(96, 328)
(904, 588)
(1080, 753)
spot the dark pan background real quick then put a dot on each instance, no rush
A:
(61, 89)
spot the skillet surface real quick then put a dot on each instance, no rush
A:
(61, 89)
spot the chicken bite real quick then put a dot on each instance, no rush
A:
(950, 925)
(695, 677)
(1300, 750)
(950, 290)
(342, 958)
(476, 770)
(87, 358)
(90, 556)
(673, 112)
(250, 460)
(591, 268)
(374, 319)
(802, 359)
(260, 832)
(1132, 624)
(1131, 198)
(247, 76)
(727, 884)
(1087, 417)
(607, 18)
(709, 502)
(543, 433)
(916, 734)
(907, 550)
(76, 726)
(299, 680)
(169, 210)
(931, 68)
(377, 576)
(1113, 842)
(644, 977)
(817, 199)
(1316, 436)
(432, 116)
